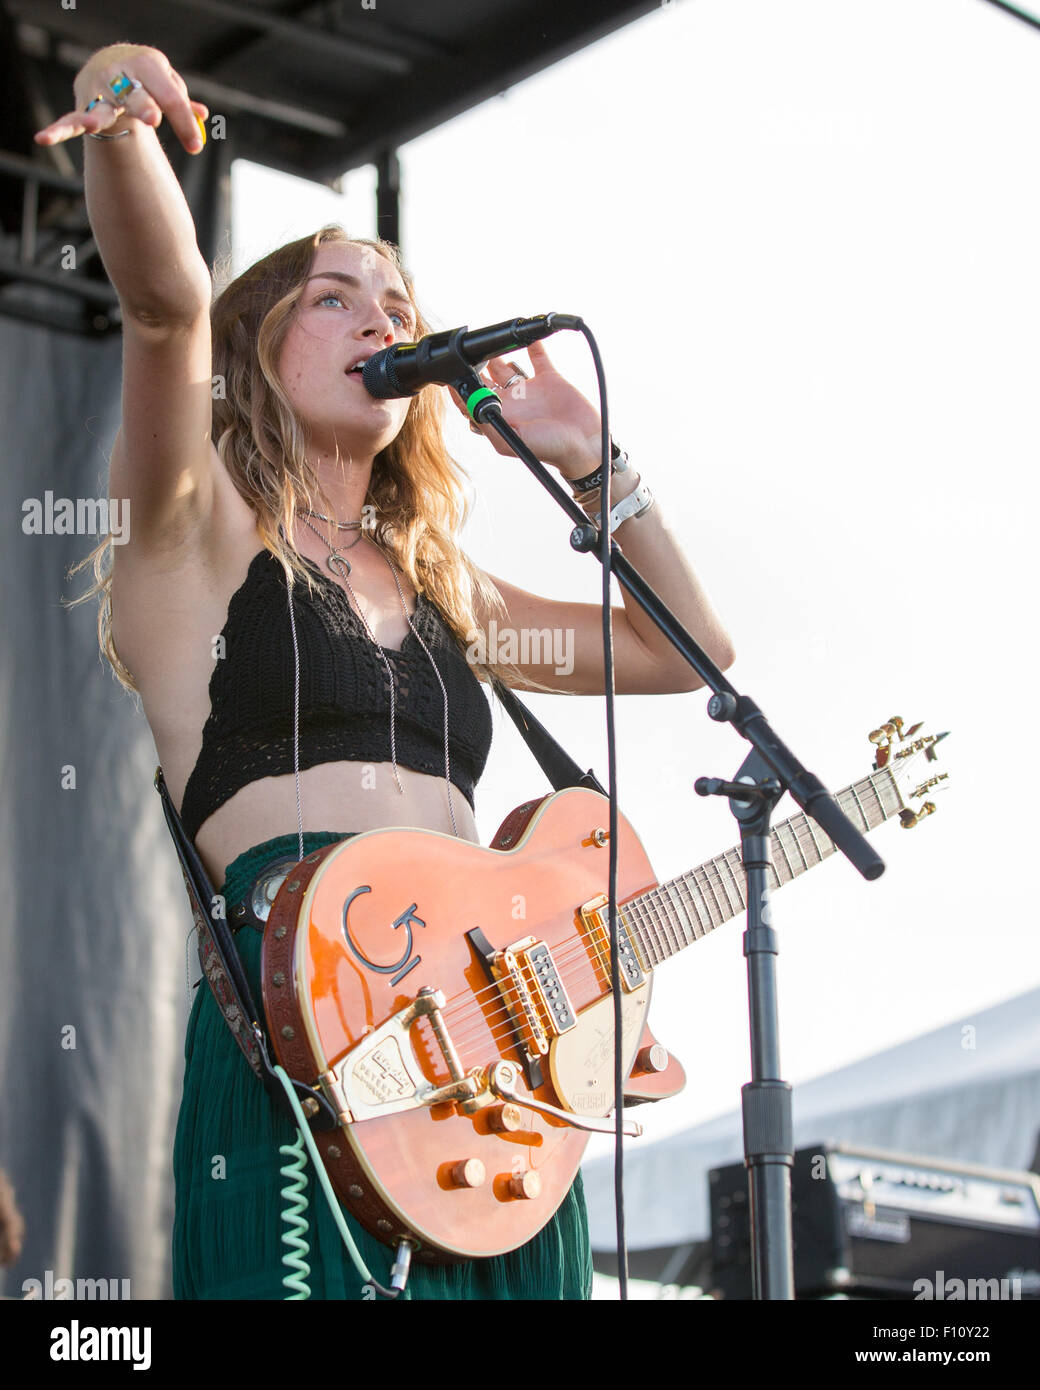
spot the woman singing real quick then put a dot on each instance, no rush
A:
(276, 503)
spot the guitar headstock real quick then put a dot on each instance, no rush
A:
(899, 750)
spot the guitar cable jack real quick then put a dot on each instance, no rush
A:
(402, 1264)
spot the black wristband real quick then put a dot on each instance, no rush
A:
(595, 479)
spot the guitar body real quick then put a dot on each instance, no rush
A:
(357, 931)
(438, 993)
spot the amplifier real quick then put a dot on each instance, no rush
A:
(876, 1224)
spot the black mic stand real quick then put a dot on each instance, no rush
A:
(769, 770)
(765, 1100)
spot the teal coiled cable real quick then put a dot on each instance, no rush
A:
(305, 1137)
(294, 1194)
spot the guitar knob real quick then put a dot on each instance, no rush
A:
(468, 1172)
(526, 1185)
(505, 1119)
(651, 1059)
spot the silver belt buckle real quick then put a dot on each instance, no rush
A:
(266, 887)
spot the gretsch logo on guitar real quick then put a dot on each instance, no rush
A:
(469, 1068)
(407, 919)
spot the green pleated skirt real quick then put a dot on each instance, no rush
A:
(227, 1234)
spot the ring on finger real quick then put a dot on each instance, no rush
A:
(124, 83)
(100, 100)
(518, 375)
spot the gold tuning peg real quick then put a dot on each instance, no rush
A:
(896, 723)
(883, 738)
(908, 819)
(931, 782)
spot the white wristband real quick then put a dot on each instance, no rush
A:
(640, 500)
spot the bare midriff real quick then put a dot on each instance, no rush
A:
(347, 796)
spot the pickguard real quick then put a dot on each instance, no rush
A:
(581, 1061)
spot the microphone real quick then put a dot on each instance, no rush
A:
(403, 370)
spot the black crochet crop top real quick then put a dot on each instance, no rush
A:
(344, 693)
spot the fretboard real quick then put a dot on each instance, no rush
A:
(677, 913)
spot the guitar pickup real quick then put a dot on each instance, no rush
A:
(541, 969)
(594, 914)
(541, 1006)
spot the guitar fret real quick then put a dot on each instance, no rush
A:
(779, 844)
(731, 911)
(859, 806)
(696, 902)
(694, 909)
(651, 924)
(877, 798)
(649, 935)
(676, 886)
(667, 921)
(679, 913)
(812, 833)
(662, 926)
(715, 898)
(626, 915)
(739, 884)
(811, 841)
(686, 925)
(793, 832)
(884, 779)
(882, 814)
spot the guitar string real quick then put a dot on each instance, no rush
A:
(471, 1018)
(680, 897)
(799, 828)
(648, 931)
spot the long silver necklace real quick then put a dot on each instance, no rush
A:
(340, 565)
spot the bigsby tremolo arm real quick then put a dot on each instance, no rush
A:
(502, 1077)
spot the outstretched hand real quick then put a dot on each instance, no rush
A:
(554, 419)
(162, 92)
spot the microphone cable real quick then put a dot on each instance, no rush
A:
(612, 795)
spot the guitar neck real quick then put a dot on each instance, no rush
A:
(675, 914)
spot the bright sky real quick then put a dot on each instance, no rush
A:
(805, 235)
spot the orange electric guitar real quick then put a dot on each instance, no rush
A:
(453, 1002)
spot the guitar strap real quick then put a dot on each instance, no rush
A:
(223, 969)
(217, 954)
(560, 768)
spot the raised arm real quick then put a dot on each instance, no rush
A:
(163, 459)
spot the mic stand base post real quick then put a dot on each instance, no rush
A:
(765, 1099)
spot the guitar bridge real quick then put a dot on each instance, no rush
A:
(382, 1076)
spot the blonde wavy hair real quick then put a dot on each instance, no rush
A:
(416, 487)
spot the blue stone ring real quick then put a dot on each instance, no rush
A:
(119, 86)
(122, 84)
